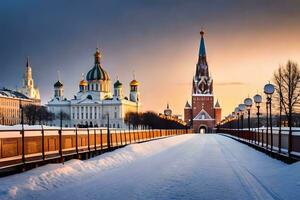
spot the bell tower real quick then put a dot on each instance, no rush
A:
(200, 115)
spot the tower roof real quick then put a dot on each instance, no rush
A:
(134, 83)
(117, 84)
(217, 105)
(187, 105)
(58, 84)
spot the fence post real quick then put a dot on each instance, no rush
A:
(43, 143)
(76, 139)
(111, 141)
(129, 137)
(88, 132)
(134, 136)
(95, 140)
(60, 144)
(101, 143)
(121, 137)
(116, 136)
(125, 137)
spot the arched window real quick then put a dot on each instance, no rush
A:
(203, 116)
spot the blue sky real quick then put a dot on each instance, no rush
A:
(156, 39)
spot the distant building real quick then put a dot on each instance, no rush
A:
(94, 101)
(202, 115)
(168, 111)
(168, 114)
(12, 100)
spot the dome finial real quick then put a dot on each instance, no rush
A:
(97, 56)
(201, 32)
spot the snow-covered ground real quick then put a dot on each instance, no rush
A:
(181, 167)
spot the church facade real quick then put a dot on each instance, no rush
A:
(95, 105)
(202, 114)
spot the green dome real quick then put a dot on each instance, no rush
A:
(117, 84)
(58, 84)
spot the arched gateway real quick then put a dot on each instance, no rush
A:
(203, 129)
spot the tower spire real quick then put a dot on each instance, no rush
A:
(27, 62)
(202, 51)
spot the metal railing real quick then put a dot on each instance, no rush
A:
(275, 142)
(19, 148)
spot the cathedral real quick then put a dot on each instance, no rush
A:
(95, 105)
(202, 115)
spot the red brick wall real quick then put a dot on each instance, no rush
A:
(187, 115)
(218, 114)
(208, 103)
(210, 124)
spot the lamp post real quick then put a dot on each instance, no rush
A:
(22, 132)
(108, 132)
(269, 91)
(242, 108)
(257, 99)
(248, 103)
(237, 113)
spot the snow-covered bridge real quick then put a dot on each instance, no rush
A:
(182, 167)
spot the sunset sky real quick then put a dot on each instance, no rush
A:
(159, 40)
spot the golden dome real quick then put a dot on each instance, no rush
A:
(83, 83)
(134, 83)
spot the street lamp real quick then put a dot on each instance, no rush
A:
(248, 103)
(269, 91)
(237, 113)
(242, 108)
(108, 132)
(258, 99)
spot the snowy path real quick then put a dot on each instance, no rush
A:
(181, 167)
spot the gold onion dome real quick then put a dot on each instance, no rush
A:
(134, 83)
(83, 83)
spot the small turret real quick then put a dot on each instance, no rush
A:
(83, 85)
(118, 89)
(134, 92)
(168, 111)
(58, 89)
(218, 112)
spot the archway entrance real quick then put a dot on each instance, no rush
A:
(202, 129)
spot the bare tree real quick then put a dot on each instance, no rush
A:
(35, 113)
(287, 81)
(62, 116)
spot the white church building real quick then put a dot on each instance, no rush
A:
(94, 103)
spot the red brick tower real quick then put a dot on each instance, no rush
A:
(202, 116)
